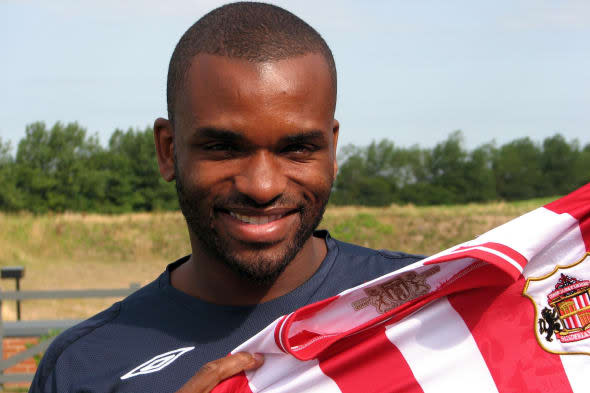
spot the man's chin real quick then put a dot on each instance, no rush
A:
(260, 271)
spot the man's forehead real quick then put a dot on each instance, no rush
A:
(222, 84)
(216, 69)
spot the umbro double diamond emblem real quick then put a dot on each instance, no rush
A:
(157, 362)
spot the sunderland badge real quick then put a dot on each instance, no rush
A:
(562, 308)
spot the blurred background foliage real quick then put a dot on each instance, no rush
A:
(63, 168)
(381, 174)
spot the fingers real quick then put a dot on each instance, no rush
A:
(216, 371)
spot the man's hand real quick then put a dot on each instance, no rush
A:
(216, 371)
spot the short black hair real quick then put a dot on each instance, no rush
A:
(256, 32)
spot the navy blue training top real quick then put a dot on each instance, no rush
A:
(158, 337)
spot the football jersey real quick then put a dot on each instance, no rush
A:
(157, 338)
(508, 311)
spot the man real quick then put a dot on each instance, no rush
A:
(251, 143)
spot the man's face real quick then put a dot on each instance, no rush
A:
(255, 147)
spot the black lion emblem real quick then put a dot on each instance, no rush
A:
(548, 324)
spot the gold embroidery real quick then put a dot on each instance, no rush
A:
(397, 291)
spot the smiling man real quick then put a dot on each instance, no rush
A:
(252, 148)
(251, 142)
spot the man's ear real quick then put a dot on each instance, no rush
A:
(164, 139)
(335, 130)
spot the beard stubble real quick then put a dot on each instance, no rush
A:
(260, 266)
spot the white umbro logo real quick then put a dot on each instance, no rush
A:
(157, 362)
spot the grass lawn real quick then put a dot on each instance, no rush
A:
(67, 251)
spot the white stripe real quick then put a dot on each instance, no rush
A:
(263, 342)
(576, 303)
(571, 322)
(440, 351)
(568, 247)
(491, 251)
(530, 233)
(578, 321)
(283, 373)
(503, 256)
(281, 344)
(581, 303)
(576, 369)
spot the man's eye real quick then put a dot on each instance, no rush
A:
(219, 147)
(299, 148)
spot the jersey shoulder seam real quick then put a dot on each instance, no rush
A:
(398, 255)
(356, 250)
(115, 310)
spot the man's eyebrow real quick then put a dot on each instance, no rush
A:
(219, 133)
(304, 136)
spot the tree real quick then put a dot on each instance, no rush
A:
(581, 172)
(447, 165)
(479, 175)
(558, 163)
(54, 171)
(361, 178)
(136, 183)
(455, 175)
(517, 169)
(10, 197)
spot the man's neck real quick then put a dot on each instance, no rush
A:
(213, 281)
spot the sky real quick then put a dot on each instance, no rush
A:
(409, 71)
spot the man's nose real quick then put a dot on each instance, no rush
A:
(261, 178)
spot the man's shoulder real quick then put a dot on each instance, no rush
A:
(353, 256)
(354, 250)
(66, 341)
(89, 334)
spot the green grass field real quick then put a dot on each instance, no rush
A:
(68, 251)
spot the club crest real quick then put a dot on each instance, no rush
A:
(397, 291)
(562, 308)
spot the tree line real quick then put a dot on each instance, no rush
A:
(382, 173)
(63, 168)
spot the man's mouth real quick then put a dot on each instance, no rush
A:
(256, 220)
(250, 225)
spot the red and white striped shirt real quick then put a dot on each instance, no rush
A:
(506, 312)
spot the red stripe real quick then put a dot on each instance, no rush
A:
(518, 257)
(368, 361)
(502, 323)
(576, 303)
(504, 249)
(486, 256)
(576, 204)
(236, 384)
(577, 321)
(308, 345)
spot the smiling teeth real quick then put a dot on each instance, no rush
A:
(256, 220)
